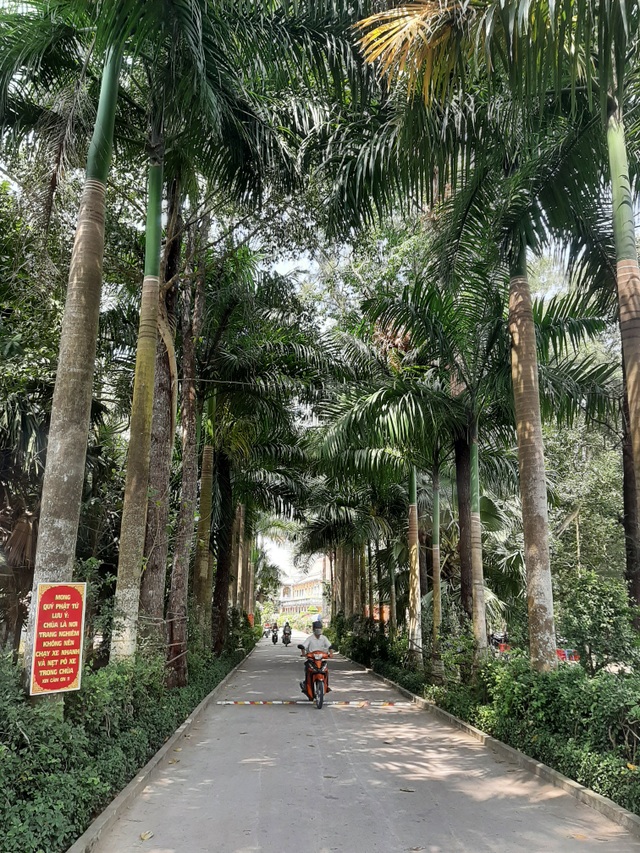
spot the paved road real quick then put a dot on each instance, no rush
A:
(290, 778)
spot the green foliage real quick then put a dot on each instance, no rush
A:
(241, 636)
(586, 509)
(56, 775)
(586, 728)
(596, 619)
(360, 639)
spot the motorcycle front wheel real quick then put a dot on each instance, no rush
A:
(318, 691)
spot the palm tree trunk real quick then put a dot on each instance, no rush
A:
(332, 581)
(436, 660)
(415, 615)
(73, 391)
(424, 555)
(533, 486)
(134, 510)
(358, 597)
(202, 576)
(241, 550)
(628, 274)
(342, 574)
(245, 603)
(156, 547)
(630, 509)
(379, 578)
(370, 578)
(393, 609)
(251, 595)
(479, 613)
(235, 550)
(348, 581)
(178, 594)
(463, 488)
(224, 546)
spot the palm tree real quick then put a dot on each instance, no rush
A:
(225, 79)
(434, 48)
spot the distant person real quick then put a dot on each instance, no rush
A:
(287, 629)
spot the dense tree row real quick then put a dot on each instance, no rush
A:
(394, 407)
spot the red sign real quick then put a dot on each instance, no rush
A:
(57, 648)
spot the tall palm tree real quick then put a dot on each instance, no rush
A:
(227, 67)
(437, 49)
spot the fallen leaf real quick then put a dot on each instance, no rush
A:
(580, 837)
(145, 836)
(632, 766)
(387, 741)
(173, 761)
(178, 749)
(408, 790)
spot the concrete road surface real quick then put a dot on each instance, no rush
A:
(290, 778)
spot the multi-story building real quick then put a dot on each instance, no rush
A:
(304, 593)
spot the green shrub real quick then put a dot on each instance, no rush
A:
(56, 775)
(595, 618)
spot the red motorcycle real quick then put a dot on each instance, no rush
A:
(316, 682)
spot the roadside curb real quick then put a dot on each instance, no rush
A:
(604, 805)
(112, 812)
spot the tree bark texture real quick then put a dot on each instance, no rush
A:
(533, 486)
(235, 550)
(393, 608)
(370, 578)
(73, 390)
(379, 578)
(415, 615)
(251, 595)
(349, 581)
(477, 568)
(156, 547)
(223, 550)
(358, 602)
(423, 554)
(628, 275)
(191, 323)
(463, 488)
(245, 549)
(436, 660)
(630, 507)
(136, 490)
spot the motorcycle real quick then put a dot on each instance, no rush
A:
(316, 682)
(286, 639)
(274, 637)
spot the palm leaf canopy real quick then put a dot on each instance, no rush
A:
(432, 47)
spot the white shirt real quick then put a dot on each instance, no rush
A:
(316, 644)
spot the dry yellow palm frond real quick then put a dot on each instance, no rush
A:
(417, 42)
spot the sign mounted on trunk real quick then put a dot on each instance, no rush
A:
(59, 632)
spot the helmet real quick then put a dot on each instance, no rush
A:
(317, 628)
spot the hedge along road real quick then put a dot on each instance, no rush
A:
(351, 778)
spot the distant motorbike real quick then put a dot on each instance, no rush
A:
(286, 639)
(266, 631)
(274, 637)
(316, 682)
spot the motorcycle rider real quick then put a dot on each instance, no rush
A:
(286, 631)
(316, 642)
